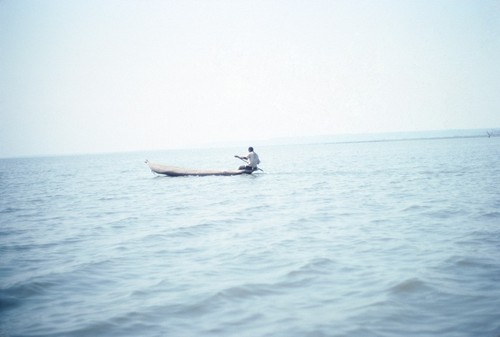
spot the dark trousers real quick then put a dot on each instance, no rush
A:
(246, 168)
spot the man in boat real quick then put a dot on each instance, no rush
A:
(252, 160)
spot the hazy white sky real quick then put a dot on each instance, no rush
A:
(102, 76)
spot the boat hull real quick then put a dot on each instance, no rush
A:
(173, 171)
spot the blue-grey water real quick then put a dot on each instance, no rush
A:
(362, 239)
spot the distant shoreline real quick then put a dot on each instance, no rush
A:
(410, 139)
(384, 137)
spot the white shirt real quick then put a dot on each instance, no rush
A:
(253, 159)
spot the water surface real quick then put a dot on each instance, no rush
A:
(363, 239)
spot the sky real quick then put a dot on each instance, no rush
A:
(88, 76)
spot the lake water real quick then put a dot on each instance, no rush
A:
(361, 239)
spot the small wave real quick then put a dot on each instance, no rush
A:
(246, 291)
(124, 222)
(315, 266)
(415, 208)
(490, 215)
(10, 210)
(223, 297)
(188, 231)
(15, 295)
(30, 247)
(8, 301)
(469, 262)
(412, 285)
(129, 323)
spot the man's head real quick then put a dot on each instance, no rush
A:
(250, 149)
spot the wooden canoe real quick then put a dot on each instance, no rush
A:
(173, 171)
